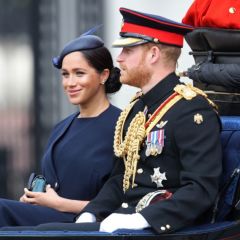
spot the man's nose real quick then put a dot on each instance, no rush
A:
(119, 57)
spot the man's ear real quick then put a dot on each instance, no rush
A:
(154, 54)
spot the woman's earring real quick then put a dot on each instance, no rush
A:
(103, 82)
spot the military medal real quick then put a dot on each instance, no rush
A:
(148, 144)
(148, 151)
(158, 177)
(160, 141)
(155, 143)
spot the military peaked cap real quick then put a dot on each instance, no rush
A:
(139, 28)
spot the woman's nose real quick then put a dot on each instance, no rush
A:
(72, 80)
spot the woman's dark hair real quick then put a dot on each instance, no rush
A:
(100, 59)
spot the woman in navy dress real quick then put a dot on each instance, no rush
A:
(79, 155)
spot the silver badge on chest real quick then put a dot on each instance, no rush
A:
(158, 177)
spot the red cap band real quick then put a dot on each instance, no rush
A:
(161, 35)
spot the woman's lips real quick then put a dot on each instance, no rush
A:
(73, 92)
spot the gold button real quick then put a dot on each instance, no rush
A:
(168, 226)
(163, 228)
(140, 171)
(232, 10)
(124, 205)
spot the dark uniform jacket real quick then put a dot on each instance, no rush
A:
(188, 167)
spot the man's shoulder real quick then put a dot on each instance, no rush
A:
(194, 97)
(196, 104)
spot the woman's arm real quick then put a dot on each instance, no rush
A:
(52, 200)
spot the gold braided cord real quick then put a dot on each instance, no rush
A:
(128, 148)
(119, 145)
(133, 140)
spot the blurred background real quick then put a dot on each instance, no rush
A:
(31, 95)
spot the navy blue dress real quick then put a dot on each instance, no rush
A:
(77, 161)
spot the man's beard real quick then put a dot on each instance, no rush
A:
(137, 77)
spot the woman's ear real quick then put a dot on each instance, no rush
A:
(104, 75)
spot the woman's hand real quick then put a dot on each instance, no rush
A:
(47, 199)
(52, 200)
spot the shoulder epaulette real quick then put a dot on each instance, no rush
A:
(186, 91)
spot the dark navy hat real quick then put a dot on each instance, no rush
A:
(84, 42)
(139, 28)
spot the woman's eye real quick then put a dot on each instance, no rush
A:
(65, 74)
(79, 73)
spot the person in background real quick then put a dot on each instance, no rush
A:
(217, 63)
(79, 155)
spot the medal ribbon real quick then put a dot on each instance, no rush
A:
(161, 137)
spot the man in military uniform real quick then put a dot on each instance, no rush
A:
(167, 140)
